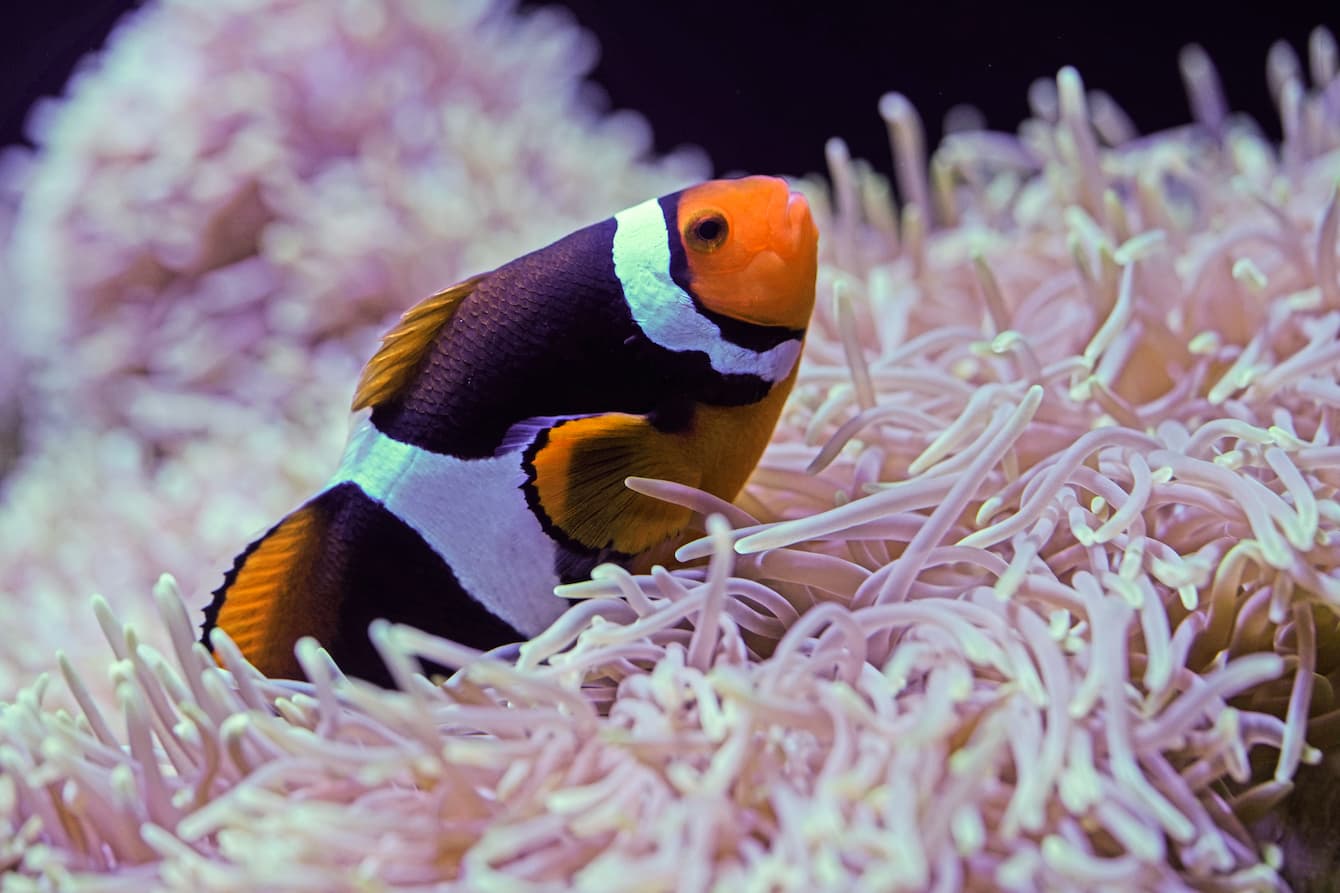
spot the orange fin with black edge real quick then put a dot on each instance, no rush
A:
(576, 468)
(269, 599)
(328, 570)
(405, 345)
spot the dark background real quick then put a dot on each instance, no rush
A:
(761, 86)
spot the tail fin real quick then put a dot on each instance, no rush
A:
(328, 570)
(272, 596)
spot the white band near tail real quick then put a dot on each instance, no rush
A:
(472, 513)
(665, 312)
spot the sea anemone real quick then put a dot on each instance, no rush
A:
(1035, 589)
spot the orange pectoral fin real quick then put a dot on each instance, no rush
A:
(267, 601)
(576, 479)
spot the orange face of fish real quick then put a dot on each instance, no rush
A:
(751, 248)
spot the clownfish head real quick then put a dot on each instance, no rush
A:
(725, 268)
(749, 249)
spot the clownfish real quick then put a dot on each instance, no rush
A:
(507, 411)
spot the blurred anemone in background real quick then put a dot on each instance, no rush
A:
(1037, 587)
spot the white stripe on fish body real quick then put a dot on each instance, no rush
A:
(472, 513)
(665, 312)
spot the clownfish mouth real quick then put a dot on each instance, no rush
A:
(775, 285)
(797, 208)
(798, 230)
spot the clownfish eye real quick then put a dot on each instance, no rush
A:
(706, 232)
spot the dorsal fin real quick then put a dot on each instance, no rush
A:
(404, 345)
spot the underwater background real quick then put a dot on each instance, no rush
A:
(1036, 588)
(761, 86)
